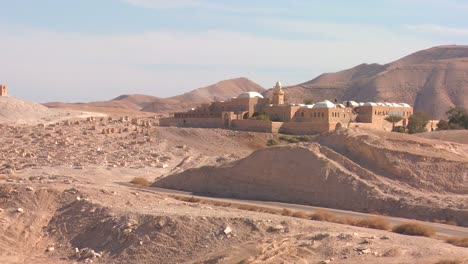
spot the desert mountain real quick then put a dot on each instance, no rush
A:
(219, 91)
(432, 80)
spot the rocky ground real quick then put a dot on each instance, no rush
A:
(62, 201)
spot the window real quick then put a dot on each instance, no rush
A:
(323, 115)
(302, 114)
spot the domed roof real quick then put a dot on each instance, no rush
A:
(324, 104)
(278, 84)
(250, 95)
(351, 103)
(371, 104)
(405, 105)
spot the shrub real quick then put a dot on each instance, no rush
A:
(417, 123)
(300, 214)
(271, 142)
(322, 216)
(287, 212)
(413, 229)
(399, 129)
(261, 117)
(457, 118)
(294, 139)
(373, 222)
(458, 241)
(449, 261)
(140, 181)
(442, 125)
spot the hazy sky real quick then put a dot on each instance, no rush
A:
(87, 50)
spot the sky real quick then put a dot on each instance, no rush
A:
(91, 50)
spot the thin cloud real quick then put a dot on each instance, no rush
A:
(204, 4)
(78, 66)
(437, 29)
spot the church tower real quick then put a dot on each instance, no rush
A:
(278, 94)
(3, 90)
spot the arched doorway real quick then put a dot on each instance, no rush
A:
(246, 116)
(338, 126)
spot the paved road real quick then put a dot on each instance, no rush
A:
(441, 229)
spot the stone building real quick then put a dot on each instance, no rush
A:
(3, 90)
(249, 110)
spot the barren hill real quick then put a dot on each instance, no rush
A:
(219, 91)
(432, 80)
(17, 111)
(350, 169)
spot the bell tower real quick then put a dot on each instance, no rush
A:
(3, 90)
(278, 94)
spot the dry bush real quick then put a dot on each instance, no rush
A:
(323, 216)
(286, 212)
(458, 241)
(187, 199)
(344, 220)
(140, 181)
(413, 229)
(372, 222)
(300, 214)
(449, 261)
(445, 222)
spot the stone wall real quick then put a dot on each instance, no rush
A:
(306, 128)
(256, 125)
(192, 122)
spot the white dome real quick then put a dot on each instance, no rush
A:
(405, 105)
(250, 95)
(278, 84)
(351, 103)
(340, 106)
(371, 104)
(307, 106)
(361, 104)
(388, 104)
(324, 104)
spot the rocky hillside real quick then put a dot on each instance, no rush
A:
(432, 80)
(350, 169)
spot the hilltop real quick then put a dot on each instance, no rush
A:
(432, 80)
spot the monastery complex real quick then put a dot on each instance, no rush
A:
(250, 111)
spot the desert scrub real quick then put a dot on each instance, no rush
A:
(413, 229)
(140, 181)
(271, 142)
(449, 261)
(458, 241)
(373, 222)
(294, 139)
